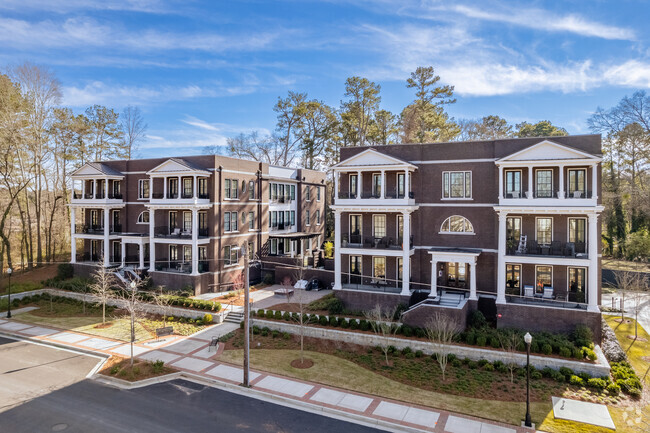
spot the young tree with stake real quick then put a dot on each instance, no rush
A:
(441, 330)
(382, 325)
(101, 288)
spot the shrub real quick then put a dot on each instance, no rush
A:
(588, 353)
(613, 389)
(406, 350)
(583, 336)
(481, 340)
(256, 329)
(477, 320)
(597, 383)
(547, 372)
(488, 367)
(483, 362)
(286, 335)
(269, 314)
(354, 323)
(470, 337)
(406, 331)
(451, 357)
(260, 313)
(286, 316)
(576, 380)
(472, 365)
(547, 349)
(456, 362)
(567, 372)
(241, 324)
(364, 325)
(565, 352)
(536, 375)
(418, 354)
(265, 332)
(577, 353)
(419, 332)
(157, 366)
(115, 369)
(495, 342)
(322, 320)
(343, 323)
(207, 319)
(558, 377)
(277, 315)
(335, 306)
(392, 349)
(64, 271)
(275, 333)
(410, 355)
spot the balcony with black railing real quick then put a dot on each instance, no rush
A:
(370, 242)
(552, 249)
(172, 232)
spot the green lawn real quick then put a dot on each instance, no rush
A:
(625, 265)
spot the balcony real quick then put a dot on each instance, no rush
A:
(282, 226)
(184, 197)
(169, 232)
(99, 198)
(554, 249)
(281, 200)
(179, 267)
(391, 198)
(548, 198)
(373, 243)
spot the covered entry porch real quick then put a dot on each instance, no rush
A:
(453, 268)
(299, 244)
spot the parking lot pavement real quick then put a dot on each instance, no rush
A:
(29, 370)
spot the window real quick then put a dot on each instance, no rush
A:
(576, 281)
(544, 184)
(231, 188)
(173, 253)
(577, 186)
(202, 183)
(379, 268)
(456, 224)
(203, 253)
(353, 185)
(543, 278)
(379, 226)
(307, 218)
(578, 233)
(513, 183)
(513, 229)
(117, 189)
(400, 263)
(457, 184)
(172, 187)
(318, 193)
(187, 254)
(355, 226)
(95, 221)
(230, 255)
(251, 220)
(226, 222)
(143, 188)
(308, 193)
(274, 246)
(287, 218)
(293, 217)
(318, 217)
(173, 220)
(293, 192)
(274, 191)
(273, 222)
(376, 185)
(401, 188)
(233, 221)
(251, 190)
(400, 227)
(544, 231)
(280, 220)
(355, 269)
(187, 187)
(187, 222)
(143, 218)
(513, 278)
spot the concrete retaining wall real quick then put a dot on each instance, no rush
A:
(365, 300)
(148, 308)
(601, 368)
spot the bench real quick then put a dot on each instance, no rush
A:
(162, 332)
(214, 343)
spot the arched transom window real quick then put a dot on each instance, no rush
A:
(457, 224)
(143, 218)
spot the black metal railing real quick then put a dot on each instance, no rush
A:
(203, 195)
(555, 248)
(87, 257)
(386, 242)
(578, 194)
(203, 232)
(548, 194)
(157, 195)
(89, 228)
(116, 228)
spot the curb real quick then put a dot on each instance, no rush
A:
(260, 395)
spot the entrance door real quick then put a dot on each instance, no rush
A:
(355, 269)
(355, 229)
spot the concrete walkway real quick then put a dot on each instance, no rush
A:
(194, 355)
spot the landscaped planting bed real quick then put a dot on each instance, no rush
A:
(121, 368)
(477, 379)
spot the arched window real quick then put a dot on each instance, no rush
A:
(143, 218)
(456, 224)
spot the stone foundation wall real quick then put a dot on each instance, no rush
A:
(421, 314)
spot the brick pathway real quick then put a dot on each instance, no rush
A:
(194, 355)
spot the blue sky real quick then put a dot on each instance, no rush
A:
(202, 71)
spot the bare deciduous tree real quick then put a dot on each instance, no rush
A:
(510, 343)
(298, 299)
(102, 287)
(382, 325)
(133, 129)
(640, 298)
(163, 302)
(441, 330)
(626, 281)
(131, 302)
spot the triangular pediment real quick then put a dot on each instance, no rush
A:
(175, 166)
(371, 157)
(548, 150)
(95, 170)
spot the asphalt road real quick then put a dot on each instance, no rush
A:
(177, 406)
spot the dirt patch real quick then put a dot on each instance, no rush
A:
(34, 276)
(121, 368)
(632, 337)
(304, 364)
(103, 325)
(621, 321)
(237, 300)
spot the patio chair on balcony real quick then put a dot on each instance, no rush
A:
(556, 248)
(548, 293)
(533, 248)
(580, 248)
(570, 249)
(529, 291)
(577, 194)
(176, 232)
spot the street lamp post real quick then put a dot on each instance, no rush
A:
(244, 252)
(9, 271)
(528, 339)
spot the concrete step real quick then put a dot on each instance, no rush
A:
(234, 317)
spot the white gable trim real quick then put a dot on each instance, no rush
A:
(173, 167)
(548, 151)
(87, 171)
(370, 158)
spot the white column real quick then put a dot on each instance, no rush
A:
(501, 266)
(407, 190)
(560, 193)
(359, 184)
(383, 183)
(337, 249)
(107, 245)
(195, 195)
(593, 279)
(594, 181)
(195, 243)
(293, 248)
(164, 187)
(336, 186)
(105, 188)
(500, 182)
(406, 248)
(530, 183)
(434, 278)
(123, 253)
(73, 240)
(179, 188)
(472, 280)
(94, 188)
(141, 251)
(83, 188)
(152, 245)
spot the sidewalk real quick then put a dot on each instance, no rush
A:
(192, 354)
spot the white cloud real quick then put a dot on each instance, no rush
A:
(540, 19)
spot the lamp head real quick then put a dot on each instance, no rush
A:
(133, 285)
(528, 338)
(9, 271)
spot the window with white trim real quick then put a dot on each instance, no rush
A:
(230, 255)
(379, 226)
(143, 218)
(318, 217)
(457, 184)
(543, 278)
(143, 188)
(230, 221)
(317, 193)
(231, 188)
(308, 193)
(544, 231)
(251, 220)
(251, 190)
(456, 224)
(307, 218)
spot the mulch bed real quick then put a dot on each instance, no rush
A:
(103, 325)
(120, 367)
(306, 363)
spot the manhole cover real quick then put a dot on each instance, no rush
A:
(59, 427)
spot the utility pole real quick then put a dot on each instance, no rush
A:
(244, 250)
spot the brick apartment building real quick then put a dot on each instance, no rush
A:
(510, 227)
(181, 219)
